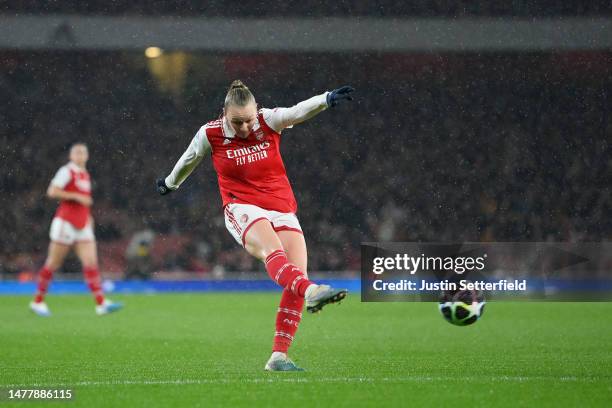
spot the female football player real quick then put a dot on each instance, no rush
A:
(258, 202)
(72, 227)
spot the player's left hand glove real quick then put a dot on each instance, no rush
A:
(337, 95)
(162, 188)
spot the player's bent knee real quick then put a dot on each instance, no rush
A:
(295, 247)
(260, 252)
(261, 240)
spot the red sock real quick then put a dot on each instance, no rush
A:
(286, 274)
(92, 278)
(44, 277)
(287, 320)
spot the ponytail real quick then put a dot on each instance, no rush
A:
(238, 94)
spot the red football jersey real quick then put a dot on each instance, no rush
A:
(251, 170)
(74, 179)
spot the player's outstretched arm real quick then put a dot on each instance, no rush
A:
(281, 118)
(198, 147)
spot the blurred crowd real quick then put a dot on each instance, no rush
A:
(300, 8)
(489, 147)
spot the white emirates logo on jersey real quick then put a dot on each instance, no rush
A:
(83, 184)
(248, 154)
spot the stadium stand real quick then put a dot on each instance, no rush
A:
(436, 147)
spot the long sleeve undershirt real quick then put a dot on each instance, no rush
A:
(277, 119)
(281, 118)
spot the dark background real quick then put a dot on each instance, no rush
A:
(435, 147)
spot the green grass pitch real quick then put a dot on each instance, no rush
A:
(201, 350)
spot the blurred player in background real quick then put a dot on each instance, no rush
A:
(258, 201)
(72, 227)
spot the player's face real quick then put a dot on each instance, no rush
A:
(79, 155)
(242, 118)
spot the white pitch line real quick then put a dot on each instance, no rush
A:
(205, 381)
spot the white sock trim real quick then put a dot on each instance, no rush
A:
(309, 290)
(277, 355)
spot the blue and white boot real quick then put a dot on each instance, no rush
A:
(40, 308)
(108, 307)
(280, 362)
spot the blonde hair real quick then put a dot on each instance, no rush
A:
(238, 94)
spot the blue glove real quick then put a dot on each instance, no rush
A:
(335, 96)
(162, 188)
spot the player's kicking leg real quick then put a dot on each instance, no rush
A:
(264, 243)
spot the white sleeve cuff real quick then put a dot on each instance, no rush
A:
(169, 184)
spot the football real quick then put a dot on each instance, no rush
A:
(463, 307)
